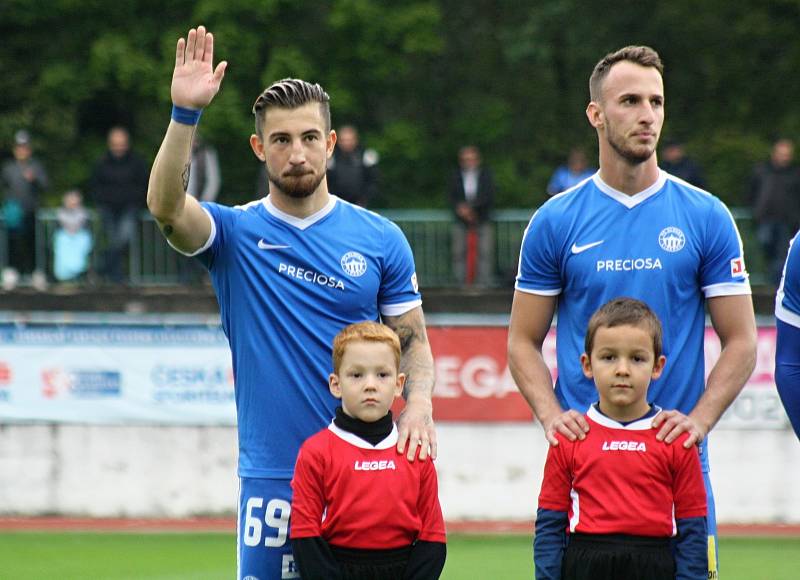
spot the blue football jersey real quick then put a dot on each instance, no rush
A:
(286, 287)
(787, 301)
(672, 246)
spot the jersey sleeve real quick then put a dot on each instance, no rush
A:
(222, 219)
(557, 479)
(722, 271)
(688, 489)
(308, 497)
(399, 291)
(787, 301)
(539, 269)
(430, 510)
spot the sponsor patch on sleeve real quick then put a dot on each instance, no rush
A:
(737, 268)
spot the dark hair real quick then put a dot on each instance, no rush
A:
(291, 94)
(622, 311)
(641, 55)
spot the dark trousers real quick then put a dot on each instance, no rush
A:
(372, 564)
(618, 557)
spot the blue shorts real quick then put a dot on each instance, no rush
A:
(263, 549)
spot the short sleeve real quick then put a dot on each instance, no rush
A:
(308, 498)
(557, 479)
(430, 510)
(787, 301)
(688, 488)
(723, 271)
(539, 267)
(399, 291)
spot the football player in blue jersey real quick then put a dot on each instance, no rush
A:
(633, 230)
(289, 271)
(787, 346)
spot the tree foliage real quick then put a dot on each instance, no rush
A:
(419, 78)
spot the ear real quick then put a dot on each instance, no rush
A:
(586, 366)
(401, 382)
(658, 367)
(330, 143)
(257, 145)
(334, 386)
(595, 115)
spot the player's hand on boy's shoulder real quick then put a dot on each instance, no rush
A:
(415, 427)
(570, 424)
(672, 423)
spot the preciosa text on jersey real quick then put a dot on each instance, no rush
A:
(629, 264)
(310, 276)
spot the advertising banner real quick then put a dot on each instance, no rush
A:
(182, 374)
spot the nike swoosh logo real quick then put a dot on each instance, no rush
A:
(264, 246)
(576, 249)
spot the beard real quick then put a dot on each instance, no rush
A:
(294, 184)
(634, 156)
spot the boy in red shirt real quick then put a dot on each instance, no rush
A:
(361, 510)
(620, 504)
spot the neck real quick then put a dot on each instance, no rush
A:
(300, 207)
(624, 414)
(623, 176)
(373, 432)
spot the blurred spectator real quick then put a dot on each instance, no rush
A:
(775, 198)
(24, 179)
(352, 170)
(118, 188)
(471, 193)
(576, 170)
(204, 177)
(72, 242)
(674, 161)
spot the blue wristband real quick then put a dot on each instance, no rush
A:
(186, 116)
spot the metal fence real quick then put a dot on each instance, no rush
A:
(151, 262)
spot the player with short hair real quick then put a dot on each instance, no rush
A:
(614, 504)
(359, 511)
(633, 230)
(787, 343)
(289, 271)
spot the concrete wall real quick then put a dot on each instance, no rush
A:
(485, 472)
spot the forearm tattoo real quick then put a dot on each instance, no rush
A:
(167, 229)
(185, 176)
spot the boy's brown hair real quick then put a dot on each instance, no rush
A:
(620, 312)
(291, 94)
(367, 332)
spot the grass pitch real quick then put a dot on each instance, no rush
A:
(211, 556)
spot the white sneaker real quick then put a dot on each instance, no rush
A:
(9, 279)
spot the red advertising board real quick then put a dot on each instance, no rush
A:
(473, 382)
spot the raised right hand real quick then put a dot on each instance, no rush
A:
(570, 424)
(195, 81)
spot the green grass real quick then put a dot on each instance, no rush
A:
(201, 556)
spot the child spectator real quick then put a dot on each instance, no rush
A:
(360, 509)
(620, 504)
(72, 242)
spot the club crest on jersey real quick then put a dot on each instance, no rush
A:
(354, 264)
(671, 239)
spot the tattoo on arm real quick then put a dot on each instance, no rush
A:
(167, 229)
(185, 176)
(416, 360)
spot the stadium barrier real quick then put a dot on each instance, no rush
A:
(151, 262)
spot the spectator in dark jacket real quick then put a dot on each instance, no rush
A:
(353, 170)
(118, 188)
(471, 193)
(775, 198)
(23, 179)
